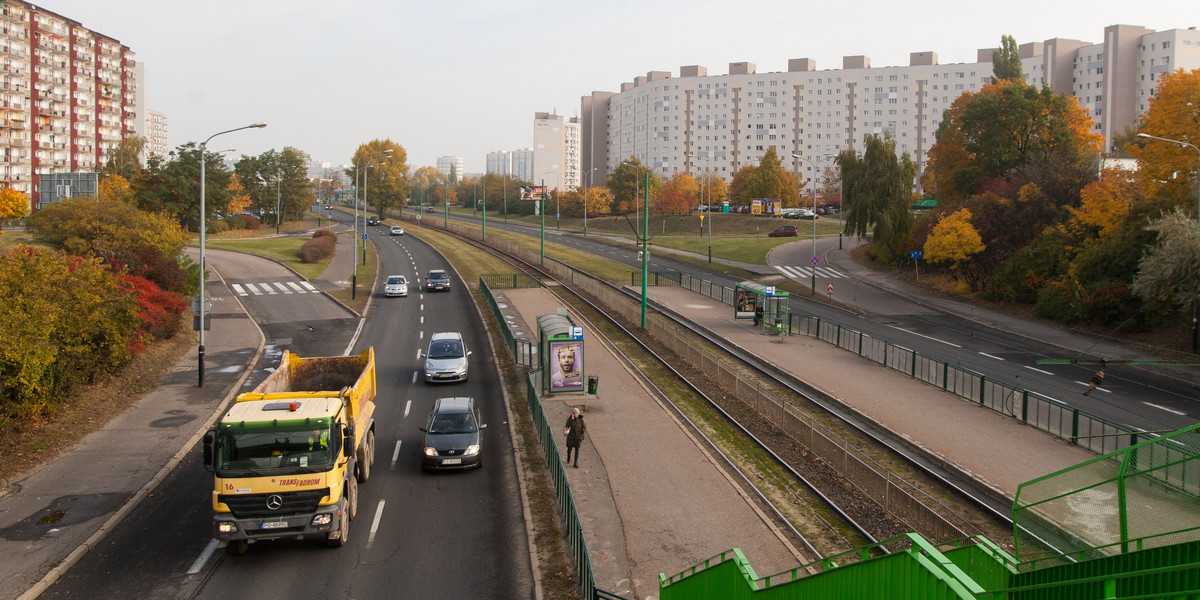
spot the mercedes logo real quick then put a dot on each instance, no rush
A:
(274, 501)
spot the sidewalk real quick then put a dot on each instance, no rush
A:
(650, 498)
(96, 484)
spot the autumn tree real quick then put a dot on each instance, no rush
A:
(1107, 203)
(628, 182)
(172, 185)
(423, 181)
(124, 159)
(677, 197)
(1011, 130)
(14, 204)
(115, 188)
(1006, 62)
(599, 200)
(770, 180)
(1172, 114)
(239, 200)
(739, 187)
(1170, 269)
(877, 188)
(387, 181)
(713, 189)
(954, 240)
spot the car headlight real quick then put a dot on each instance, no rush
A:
(226, 527)
(322, 519)
(430, 451)
(428, 367)
(472, 450)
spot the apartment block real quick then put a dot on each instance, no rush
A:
(557, 142)
(451, 166)
(69, 96)
(156, 134)
(698, 123)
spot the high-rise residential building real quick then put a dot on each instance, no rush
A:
(499, 163)
(556, 148)
(446, 163)
(156, 134)
(68, 97)
(699, 123)
(513, 163)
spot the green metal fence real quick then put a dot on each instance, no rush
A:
(917, 571)
(521, 348)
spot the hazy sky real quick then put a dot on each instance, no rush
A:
(465, 78)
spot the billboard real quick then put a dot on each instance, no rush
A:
(566, 373)
(533, 192)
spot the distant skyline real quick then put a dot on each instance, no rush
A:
(465, 78)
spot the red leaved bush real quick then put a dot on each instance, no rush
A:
(158, 310)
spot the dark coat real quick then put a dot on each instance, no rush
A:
(576, 430)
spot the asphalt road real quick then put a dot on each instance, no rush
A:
(444, 535)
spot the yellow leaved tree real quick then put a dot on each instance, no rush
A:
(14, 205)
(955, 240)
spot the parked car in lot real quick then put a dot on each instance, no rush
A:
(807, 214)
(784, 231)
(372, 220)
(395, 285)
(452, 435)
(446, 358)
(397, 230)
(437, 281)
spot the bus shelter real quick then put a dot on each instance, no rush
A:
(560, 343)
(767, 306)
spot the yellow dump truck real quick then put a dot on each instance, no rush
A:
(288, 456)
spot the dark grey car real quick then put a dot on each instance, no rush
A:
(437, 281)
(452, 439)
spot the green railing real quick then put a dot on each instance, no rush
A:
(521, 348)
(916, 570)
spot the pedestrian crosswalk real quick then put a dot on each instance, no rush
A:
(807, 272)
(274, 288)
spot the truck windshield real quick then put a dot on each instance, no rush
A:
(275, 448)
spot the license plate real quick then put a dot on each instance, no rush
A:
(275, 525)
(451, 461)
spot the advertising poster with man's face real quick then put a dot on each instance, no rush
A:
(746, 301)
(566, 373)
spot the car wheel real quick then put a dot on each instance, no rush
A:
(352, 499)
(364, 458)
(342, 534)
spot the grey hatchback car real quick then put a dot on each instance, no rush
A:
(452, 439)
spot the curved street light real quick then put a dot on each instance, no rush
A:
(1195, 327)
(202, 296)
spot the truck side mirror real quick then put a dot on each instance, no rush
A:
(347, 442)
(210, 449)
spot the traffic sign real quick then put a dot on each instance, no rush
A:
(815, 261)
(208, 304)
(830, 288)
(916, 254)
(364, 237)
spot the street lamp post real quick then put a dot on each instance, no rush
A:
(1195, 323)
(354, 272)
(278, 200)
(483, 234)
(813, 281)
(203, 228)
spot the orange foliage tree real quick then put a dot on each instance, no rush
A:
(677, 196)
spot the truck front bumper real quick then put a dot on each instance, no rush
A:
(323, 521)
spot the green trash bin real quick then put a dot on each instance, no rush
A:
(593, 384)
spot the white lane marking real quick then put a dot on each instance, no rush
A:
(408, 405)
(237, 287)
(414, 377)
(282, 288)
(422, 319)
(204, 556)
(418, 354)
(421, 335)
(1170, 410)
(308, 286)
(1097, 389)
(396, 453)
(1040, 371)
(254, 289)
(375, 524)
(422, 302)
(925, 336)
(990, 356)
(296, 287)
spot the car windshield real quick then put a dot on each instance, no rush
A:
(438, 275)
(283, 447)
(453, 423)
(395, 280)
(446, 349)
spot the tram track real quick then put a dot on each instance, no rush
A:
(805, 497)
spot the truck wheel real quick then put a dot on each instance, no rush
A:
(352, 499)
(237, 547)
(342, 533)
(366, 458)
